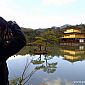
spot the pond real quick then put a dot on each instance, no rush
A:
(64, 66)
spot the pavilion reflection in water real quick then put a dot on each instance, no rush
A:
(73, 53)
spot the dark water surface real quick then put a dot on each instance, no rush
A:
(65, 67)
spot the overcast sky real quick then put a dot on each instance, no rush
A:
(43, 13)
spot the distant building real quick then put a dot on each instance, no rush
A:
(72, 35)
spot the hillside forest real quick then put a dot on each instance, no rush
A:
(47, 36)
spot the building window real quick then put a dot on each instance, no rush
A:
(81, 40)
(81, 47)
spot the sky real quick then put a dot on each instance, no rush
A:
(43, 13)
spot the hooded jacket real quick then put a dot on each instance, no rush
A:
(17, 42)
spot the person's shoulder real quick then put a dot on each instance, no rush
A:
(3, 23)
(2, 20)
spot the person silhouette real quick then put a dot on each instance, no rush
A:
(12, 40)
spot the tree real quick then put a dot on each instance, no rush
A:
(50, 36)
(39, 42)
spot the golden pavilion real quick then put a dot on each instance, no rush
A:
(73, 35)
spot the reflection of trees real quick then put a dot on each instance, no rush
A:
(70, 53)
(40, 65)
(45, 66)
(50, 51)
(49, 67)
(38, 61)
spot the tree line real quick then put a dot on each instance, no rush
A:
(47, 36)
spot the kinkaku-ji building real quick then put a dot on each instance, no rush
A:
(72, 36)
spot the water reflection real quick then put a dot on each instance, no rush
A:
(53, 68)
(73, 54)
(45, 65)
